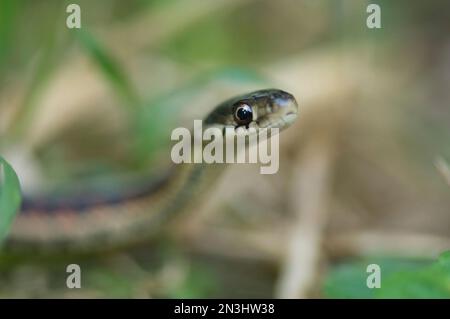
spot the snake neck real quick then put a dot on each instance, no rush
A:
(96, 221)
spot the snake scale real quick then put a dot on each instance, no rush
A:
(94, 221)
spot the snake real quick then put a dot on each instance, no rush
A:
(89, 221)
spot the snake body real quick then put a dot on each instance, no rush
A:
(88, 221)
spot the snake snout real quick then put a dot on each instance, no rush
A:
(285, 106)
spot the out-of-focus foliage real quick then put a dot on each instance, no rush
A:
(137, 68)
(400, 278)
(109, 67)
(10, 197)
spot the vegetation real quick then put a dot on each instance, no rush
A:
(358, 176)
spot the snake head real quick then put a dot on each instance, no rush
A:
(269, 108)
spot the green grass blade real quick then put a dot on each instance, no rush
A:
(109, 66)
(46, 58)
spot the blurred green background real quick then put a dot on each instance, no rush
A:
(364, 174)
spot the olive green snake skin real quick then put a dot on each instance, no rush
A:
(140, 212)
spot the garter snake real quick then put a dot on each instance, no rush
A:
(138, 212)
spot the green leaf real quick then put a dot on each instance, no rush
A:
(10, 197)
(428, 282)
(444, 260)
(400, 278)
(431, 281)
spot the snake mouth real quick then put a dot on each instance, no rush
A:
(290, 117)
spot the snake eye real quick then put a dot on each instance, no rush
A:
(243, 114)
